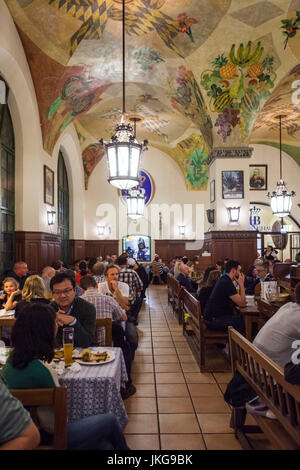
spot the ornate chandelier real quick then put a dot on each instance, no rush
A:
(123, 152)
(135, 203)
(281, 199)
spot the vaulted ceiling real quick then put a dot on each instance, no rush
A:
(199, 73)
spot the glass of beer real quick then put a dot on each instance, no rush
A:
(68, 342)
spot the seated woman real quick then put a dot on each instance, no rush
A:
(11, 294)
(203, 282)
(207, 289)
(33, 340)
(33, 291)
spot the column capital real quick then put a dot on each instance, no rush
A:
(229, 152)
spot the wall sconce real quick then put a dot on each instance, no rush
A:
(233, 214)
(210, 214)
(51, 217)
(181, 229)
(100, 229)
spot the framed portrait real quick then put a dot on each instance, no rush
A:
(48, 186)
(212, 191)
(258, 177)
(233, 184)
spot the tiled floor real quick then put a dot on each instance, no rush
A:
(176, 406)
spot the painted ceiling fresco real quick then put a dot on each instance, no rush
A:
(199, 73)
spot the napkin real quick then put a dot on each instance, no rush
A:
(6, 313)
(61, 369)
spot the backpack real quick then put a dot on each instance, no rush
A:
(238, 391)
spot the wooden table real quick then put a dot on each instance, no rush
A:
(258, 313)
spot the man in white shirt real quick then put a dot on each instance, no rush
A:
(120, 292)
(276, 337)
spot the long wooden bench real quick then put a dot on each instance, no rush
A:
(267, 379)
(204, 336)
(174, 290)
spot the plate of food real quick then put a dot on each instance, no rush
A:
(91, 358)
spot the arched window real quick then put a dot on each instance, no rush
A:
(7, 189)
(63, 207)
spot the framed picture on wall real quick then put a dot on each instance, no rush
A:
(48, 186)
(258, 177)
(212, 191)
(233, 184)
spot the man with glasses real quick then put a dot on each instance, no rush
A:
(72, 311)
(263, 275)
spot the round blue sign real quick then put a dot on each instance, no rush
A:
(145, 183)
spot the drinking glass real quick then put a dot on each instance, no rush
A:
(68, 342)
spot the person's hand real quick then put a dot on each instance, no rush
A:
(241, 279)
(2, 297)
(15, 293)
(113, 286)
(63, 319)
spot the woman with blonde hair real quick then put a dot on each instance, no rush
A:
(33, 291)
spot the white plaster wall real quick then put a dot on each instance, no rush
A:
(171, 198)
(266, 155)
(25, 117)
(30, 210)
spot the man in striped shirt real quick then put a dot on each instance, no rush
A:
(105, 305)
(130, 277)
(17, 431)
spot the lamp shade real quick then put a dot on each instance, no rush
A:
(181, 229)
(51, 217)
(210, 213)
(281, 200)
(123, 154)
(135, 203)
(233, 214)
(100, 230)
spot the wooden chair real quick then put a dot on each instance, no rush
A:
(267, 380)
(6, 322)
(155, 273)
(204, 336)
(107, 324)
(56, 397)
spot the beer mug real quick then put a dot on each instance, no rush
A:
(68, 342)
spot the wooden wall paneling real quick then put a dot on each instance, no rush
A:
(77, 250)
(38, 249)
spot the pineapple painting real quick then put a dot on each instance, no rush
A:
(236, 85)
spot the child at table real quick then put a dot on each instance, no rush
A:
(11, 294)
(33, 339)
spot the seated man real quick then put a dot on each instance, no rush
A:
(47, 274)
(263, 275)
(220, 308)
(72, 311)
(157, 262)
(17, 431)
(130, 277)
(19, 272)
(276, 337)
(105, 305)
(184, 279)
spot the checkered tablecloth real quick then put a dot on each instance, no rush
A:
(95, 389)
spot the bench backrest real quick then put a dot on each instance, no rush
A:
(267, 380)
(173, 284)
(56, 397)
(191, 306)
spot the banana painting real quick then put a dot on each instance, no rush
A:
(238, 84)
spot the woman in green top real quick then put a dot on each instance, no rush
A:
(33, 339)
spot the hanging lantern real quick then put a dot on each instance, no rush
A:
(123, 152)
(281, 199)
(136, 203)
(123, 155)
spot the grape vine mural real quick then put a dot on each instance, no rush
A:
(236, 85)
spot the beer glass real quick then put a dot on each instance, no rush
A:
(68, 342)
